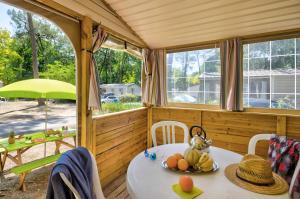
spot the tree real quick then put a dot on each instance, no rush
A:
(52, 44)
(10, 60)
(60, 71)
(115, 66)
(34, 48)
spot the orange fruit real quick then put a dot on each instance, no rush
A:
(178, 156)
(186, 183)
(183, 164)
(172, 162)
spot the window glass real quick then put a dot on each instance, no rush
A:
(194, 76)
(119, 72)
(270, 74)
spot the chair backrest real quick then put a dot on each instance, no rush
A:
(251, 150)
(255, 139)
(168, 127)
(96, 182)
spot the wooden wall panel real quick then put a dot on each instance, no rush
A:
(293, 127)
(119, 138)
(232, 130)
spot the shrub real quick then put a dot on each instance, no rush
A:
(116, 107)
(130, 98)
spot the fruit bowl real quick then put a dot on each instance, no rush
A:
(190, 170)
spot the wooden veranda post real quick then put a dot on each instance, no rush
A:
(281, 125)
(86, 114)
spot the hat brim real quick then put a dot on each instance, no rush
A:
(279, 187)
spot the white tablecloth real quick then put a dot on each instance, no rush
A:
(146, 179)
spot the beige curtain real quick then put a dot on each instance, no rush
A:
(99, 37)
(154, 77)
(231, 75)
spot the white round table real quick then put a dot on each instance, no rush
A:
(147, 179)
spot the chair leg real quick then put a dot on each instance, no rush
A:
(22, 182)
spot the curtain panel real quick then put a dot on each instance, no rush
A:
(99, 37)
(231, 75)
(154, 89)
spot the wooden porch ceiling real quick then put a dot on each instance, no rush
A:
(179, 22)
(173, 23)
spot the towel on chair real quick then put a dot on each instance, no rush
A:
(76, 164)
(284, 156)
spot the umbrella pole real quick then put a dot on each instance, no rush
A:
(46, 121)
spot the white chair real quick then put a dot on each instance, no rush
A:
(169, 127)
(251, 150)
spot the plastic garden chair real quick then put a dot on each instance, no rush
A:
(168, 127)
(251, 150)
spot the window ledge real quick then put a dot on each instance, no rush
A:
(207, 107)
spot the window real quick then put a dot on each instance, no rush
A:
(272, 74)
(118, 68)
(194, 76)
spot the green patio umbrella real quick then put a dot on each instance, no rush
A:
(39, 89)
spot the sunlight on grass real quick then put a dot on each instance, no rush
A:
(117, 107)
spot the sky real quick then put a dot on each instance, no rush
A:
(4, 18)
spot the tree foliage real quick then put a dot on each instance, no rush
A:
(115, 66)
(55, 53)
(10, 60)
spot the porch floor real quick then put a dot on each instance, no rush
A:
(117, 189)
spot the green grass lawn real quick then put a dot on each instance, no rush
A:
(116, 107)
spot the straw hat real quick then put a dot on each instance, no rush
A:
(255, 174)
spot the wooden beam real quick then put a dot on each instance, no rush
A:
(281, 125)
(123, 21)
(86, 114)
(149, 137)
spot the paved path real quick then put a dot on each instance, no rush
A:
(27, 117)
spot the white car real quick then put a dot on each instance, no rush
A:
(184, 98)
(110, 99)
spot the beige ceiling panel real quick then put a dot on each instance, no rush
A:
(226, 34)
(179, 13)
(100, 13)
(213, 16)
(242, 29)
(234, 22)
(181, 22)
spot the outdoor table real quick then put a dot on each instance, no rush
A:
(148, 179)
(20, 146)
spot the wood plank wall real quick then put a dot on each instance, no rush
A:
(118, 138)
(231, 130)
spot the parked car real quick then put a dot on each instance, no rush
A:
(265, 103)
(105, 95)
(184, 98)
(2, 99)
(110, 99)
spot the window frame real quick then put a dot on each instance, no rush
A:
(191, 105)
(248, 39)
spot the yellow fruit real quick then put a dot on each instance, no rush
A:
(178, 156)
(191, 156)
(183, 165)
(208, 165)
(186, 183)
(172, 162)
(203, 158)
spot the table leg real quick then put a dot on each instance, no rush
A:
(57, 146)
(22, 182)
(74, 138)
(2, 161)
(19, 153)
(1, 165)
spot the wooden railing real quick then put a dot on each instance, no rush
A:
(118, 138)
(231, 130)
